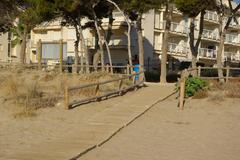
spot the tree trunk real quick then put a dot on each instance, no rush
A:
(109, 31)
(23, 46)
(97, 55)
(129, 33)
(84, 49)
(140, 44)
(222, 33)
(194, 46)
(109, 56)
(99, 39)
(107, 38)
(75, 68)
(169, 10)
(219, 56)
(191, 41)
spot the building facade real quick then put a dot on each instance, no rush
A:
(8, 53)
(178, 46)
(153, 30)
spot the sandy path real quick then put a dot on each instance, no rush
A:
(59, 134)
(204, 131)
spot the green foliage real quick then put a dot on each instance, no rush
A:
(9, 10)
(17, 32)
(193, 7)
(193, 85)
(134, 8)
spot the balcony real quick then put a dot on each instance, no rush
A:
(231, 38)
(233, 24)
(174, 28)
(211, 16)
(207, 53)
(116, 42)
(173, 49)
(177, 28)
(210, 35)
(233, 56)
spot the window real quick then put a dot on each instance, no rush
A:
(51, 51)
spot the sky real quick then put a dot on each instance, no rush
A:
(238, 1)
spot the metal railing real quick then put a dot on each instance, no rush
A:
(232, 56)
(210, 34)
(173, 48)
(211, 16)
(207, 53)
(231, 38)
(175, 27)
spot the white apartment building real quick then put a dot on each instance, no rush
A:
(178, 46)
(7, 52)
(153, 30)
(51, 33)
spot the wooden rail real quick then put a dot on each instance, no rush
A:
(120, 90)
(185, 73)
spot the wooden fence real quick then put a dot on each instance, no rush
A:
(82, 69)
(136, 82)
(229, 73)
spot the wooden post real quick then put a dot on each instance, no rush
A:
(61, 55)
(111, 69)
(120, 86)
(227, 74)
(39, 53)
(199, 71)
(66, 93)
(128, 69)
(107, 68)
(182, 90)
(97, 90)
(134, 79)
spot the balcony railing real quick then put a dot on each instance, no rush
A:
(115, 42)
(232, 56)
(231, 38)
(207, 53)
(175, 27)
(173, 48)
(210, 34)
(120, 41)
(211, 16)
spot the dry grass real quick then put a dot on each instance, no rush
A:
(26, 113)
(216, 97)
(232, 90)
(30, 90)
(221, 91)
(200, 94)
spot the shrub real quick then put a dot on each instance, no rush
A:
(193, 85)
